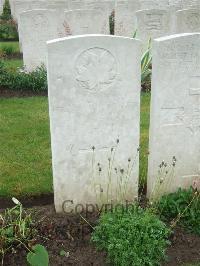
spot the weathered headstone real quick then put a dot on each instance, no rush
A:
(61, 5)
(190, 3)
(20, 6)
(105, 7)
(85, 21)
(175, 111)
(36, 27)
(94, 100)
(76, 4)
(152, 24)
(154, 4)
(188, 21)
(125, 17)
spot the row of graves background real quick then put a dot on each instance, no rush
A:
(40, 21)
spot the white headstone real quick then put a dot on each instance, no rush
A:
(94, 100)
(152, 24)
(22, 6)
(85, 21)
(125, 17)
(154, 4)
(190, 3)
(105, 7)
(188, 21)
(62, 5)
(177, 4)
(76, 4)
(36, 27)
(175, 110)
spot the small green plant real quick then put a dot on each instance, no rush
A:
(166, 174)
(132, 237)
(182, 208)
(135, 34)
(63, 253)
(35, 81)
(146, 62)
(16, 229)
(111, 178)
(38, 256)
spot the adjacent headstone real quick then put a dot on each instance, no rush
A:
(85, 21)
(20, 6)
(94, 100)
(178, 4)
(190, 3)
(76, 4)
(57, 5)
(188, 21)
(154, 4)
(152, 24)
(36, 27)
(174, 6)
(125, 17)
(105, 7)
(175, 111)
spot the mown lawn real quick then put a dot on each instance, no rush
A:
(144, 136)
(14, 46)
(25, 158)
(13, 64)
(25, 155)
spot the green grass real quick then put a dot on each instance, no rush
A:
(25, 154)
(25, 157)
(13, 63)
(14, 45)
(144, 136)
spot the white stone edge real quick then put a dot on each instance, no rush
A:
(91, 35)
(176, 36)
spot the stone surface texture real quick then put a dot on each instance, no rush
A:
(175, 111)
(94, 100)
(36, 27)
(188, 20)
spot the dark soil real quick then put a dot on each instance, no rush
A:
(6, 93)
(72, 234)
(63, 232)
(185, 248)
(28, 202)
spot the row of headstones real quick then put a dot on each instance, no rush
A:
(18, 6)
(38, 26)
(94, 100)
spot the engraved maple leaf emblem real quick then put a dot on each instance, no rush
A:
(96, 68)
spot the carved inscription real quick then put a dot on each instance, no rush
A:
(189, 115)
(95, 69)
(172, 116)
(154, 21)
(193, 20)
